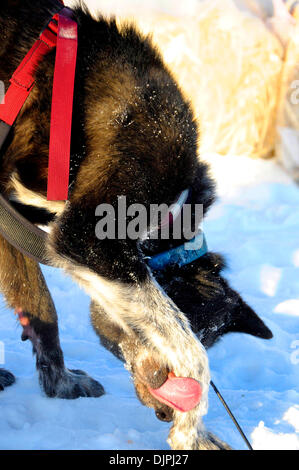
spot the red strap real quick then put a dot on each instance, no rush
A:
(62, 108)
(22, 81)
(65, 36)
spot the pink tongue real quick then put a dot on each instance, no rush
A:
(180, 393)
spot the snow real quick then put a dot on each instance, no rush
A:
(255, 225)
(290, 307)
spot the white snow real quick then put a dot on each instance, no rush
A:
(273, 441)
(256, 224)
(291, 307)
(270, 277)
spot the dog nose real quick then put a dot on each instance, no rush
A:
(165, 414)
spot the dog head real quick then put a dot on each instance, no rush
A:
(211, 305)
(213, 309)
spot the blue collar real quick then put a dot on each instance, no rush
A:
(181, 255)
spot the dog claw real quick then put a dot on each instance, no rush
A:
(70, 385)
(78, 372)
(6, 379)
(211, 442)
(85, 386)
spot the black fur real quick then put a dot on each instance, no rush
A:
(6, 379)
(211, 306)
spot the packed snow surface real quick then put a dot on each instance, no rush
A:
(255, 224)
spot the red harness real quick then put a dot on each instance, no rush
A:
(61, 33)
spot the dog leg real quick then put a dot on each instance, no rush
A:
(127, 348)
(115, 275)
(25, 290)
(6, 379)
(147, 372)
(165, 336)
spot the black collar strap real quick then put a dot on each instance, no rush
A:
(22, 234)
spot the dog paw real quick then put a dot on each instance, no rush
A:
(70, 384)
(147, 373)
(6, 379)
(209, 441)
(163, 412)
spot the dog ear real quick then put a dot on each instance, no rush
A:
(245, 320)
(212, 307)
(240, 317)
